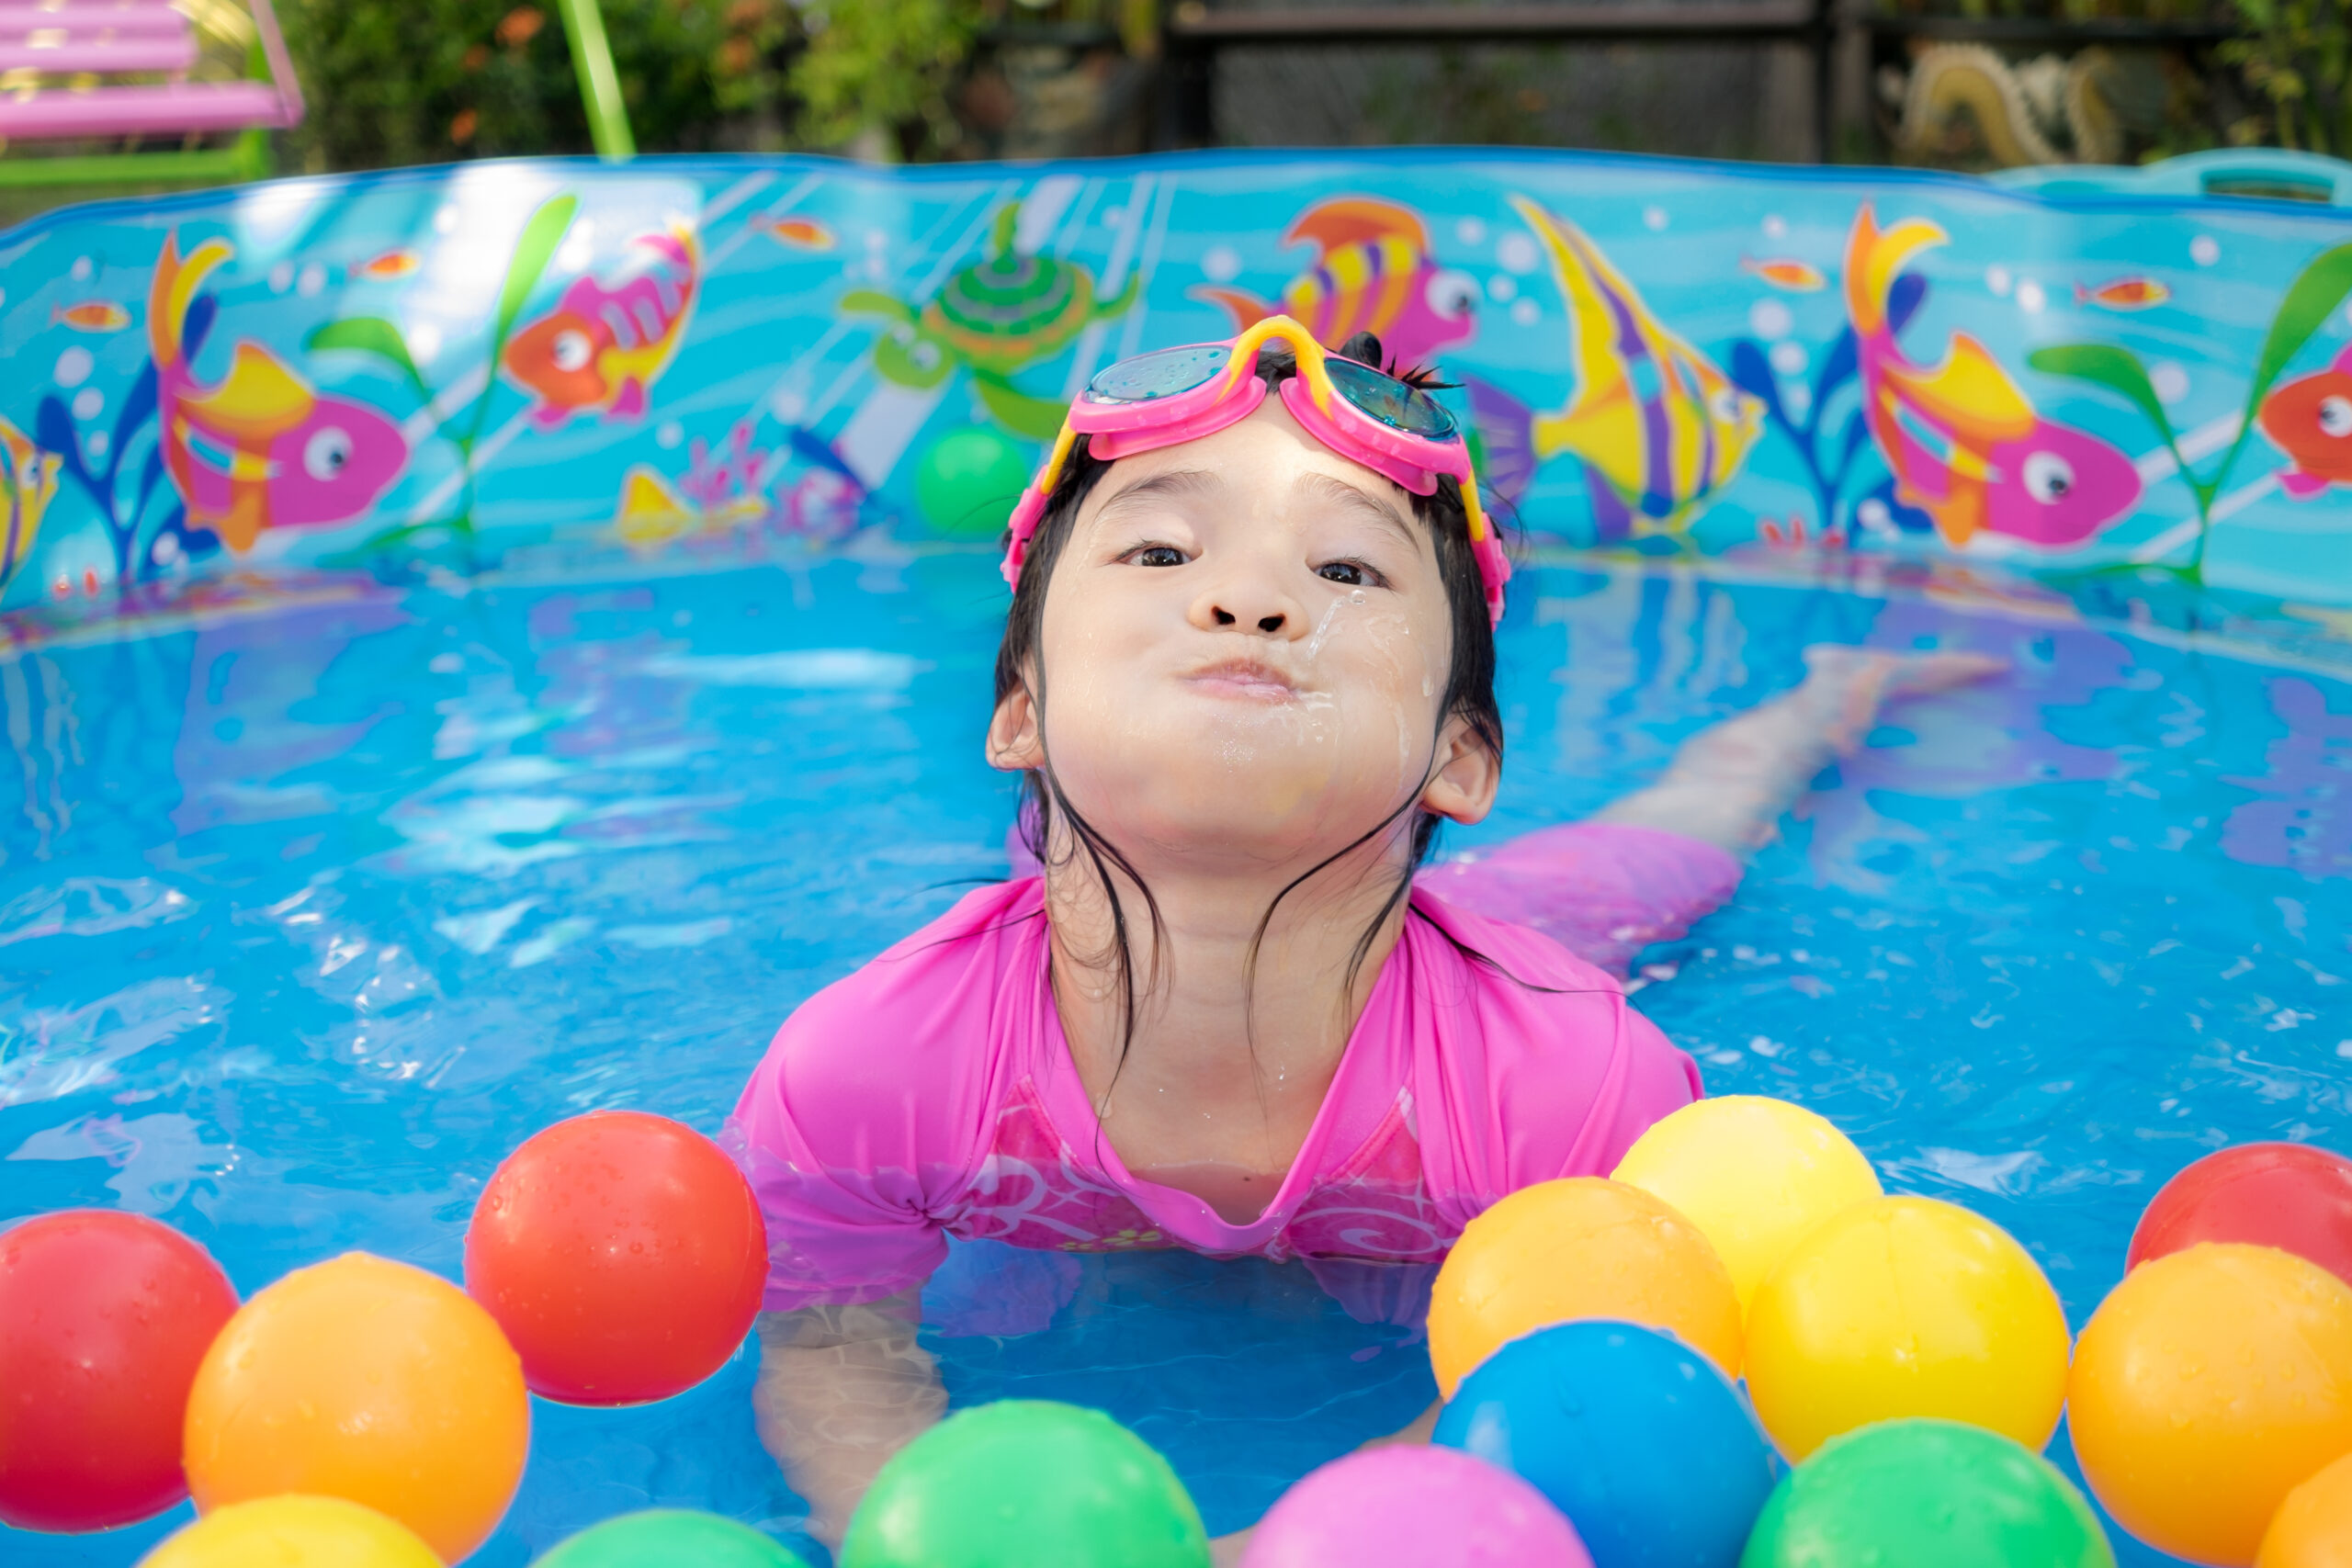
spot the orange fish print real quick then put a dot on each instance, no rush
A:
(388, 268)
(1372, 272)
(802, 233)
(92, 316)
(1786, 272)
(2125, 294)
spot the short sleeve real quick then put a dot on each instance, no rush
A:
(1603, 890)
(864, 1120)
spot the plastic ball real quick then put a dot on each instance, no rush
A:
(369, 1380)
(1574, 1248)
(294, 1532)
(2290, 1196)
(103, 1319)
(2207, 1386)
(2313, 1529)
(1927, 1495)
(622, 1254)
(1638, 1439)
(967, 483)
(1407, 1503)
(1901, 1307)
(1027, 1481)
(670, 1538)
(1753, 1174)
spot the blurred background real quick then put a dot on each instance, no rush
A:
(1950, 83)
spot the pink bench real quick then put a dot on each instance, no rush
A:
(81, 38)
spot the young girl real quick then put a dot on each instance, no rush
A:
(1247, 670)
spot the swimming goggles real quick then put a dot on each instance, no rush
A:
(1157, 400)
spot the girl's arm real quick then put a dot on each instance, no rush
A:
(1730, 782)
(841, 1389)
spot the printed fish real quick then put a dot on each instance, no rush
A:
(803, 233)
(259, 448)
(27, 484)
(602, 347)
(1372, 272)
(1786, 272)
(652, 512)
(1657, 426)
(1966, 444)
(91, 316)
(2310, 419)
(2125, 294)
(388, 268)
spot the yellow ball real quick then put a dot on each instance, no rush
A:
(1906, 1306)
(1575, 1249)
(293, 1532)
(2313, 1526)
(2210, 1384)
(1754, 1174)
(368, 1380)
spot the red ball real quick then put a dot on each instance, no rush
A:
(622, 1253)
(104, 1317)
(2290, 1196)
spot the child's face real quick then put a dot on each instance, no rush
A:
(1244, 649)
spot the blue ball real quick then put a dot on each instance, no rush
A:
(1653, 1455)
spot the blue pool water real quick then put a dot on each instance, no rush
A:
(312, 908)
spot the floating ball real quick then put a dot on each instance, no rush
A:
(2207, 1386)
(968, 481)
(1637, 1439)
(293, 1531)
(1753, 1174)
(1407, 1503)
(2290, 1196)
(103, 1319)
(364, 1379)
(2313, 1529)
(1574, 1248)
(1027, 1481)
(1927, 1495)
(622, 1254)
(670, 1538)
(1906, 1306)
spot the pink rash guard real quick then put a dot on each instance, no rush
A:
(932, 1093)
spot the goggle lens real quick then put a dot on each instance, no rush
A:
(1389, 400)
(1163, 374)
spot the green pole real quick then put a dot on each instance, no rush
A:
(600, 86)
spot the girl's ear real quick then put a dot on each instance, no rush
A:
(1013, 744)
(1468, 774)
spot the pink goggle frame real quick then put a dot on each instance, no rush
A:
(1122, 428)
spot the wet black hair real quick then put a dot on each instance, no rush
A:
(1469, 689)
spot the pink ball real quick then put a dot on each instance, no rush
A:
(1414, 1506)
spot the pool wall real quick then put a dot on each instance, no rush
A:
(451, 364)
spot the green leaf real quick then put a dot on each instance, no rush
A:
(2309, 300)
(2104, 365)
(371, 334)
(532, 252)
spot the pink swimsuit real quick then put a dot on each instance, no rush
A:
(932, 1093)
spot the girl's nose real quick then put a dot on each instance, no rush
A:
(1233, 606)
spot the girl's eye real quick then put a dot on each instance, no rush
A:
(1351, 573)
(1159, 555)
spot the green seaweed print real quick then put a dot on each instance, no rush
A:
(2302, 310)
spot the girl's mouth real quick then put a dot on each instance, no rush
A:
(1246, 677)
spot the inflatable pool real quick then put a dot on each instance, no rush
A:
(484, 643)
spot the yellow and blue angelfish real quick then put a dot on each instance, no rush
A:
(1657, 426)
(27, 484)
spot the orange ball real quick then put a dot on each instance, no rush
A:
(1575, 1249)
(367, 1379)
(1906, 1307)
(2313, 1526)
(2209, 1385)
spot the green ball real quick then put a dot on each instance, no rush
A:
(970, 481)
(1926, 1494)
(670, 1538)
(1025, 1482)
